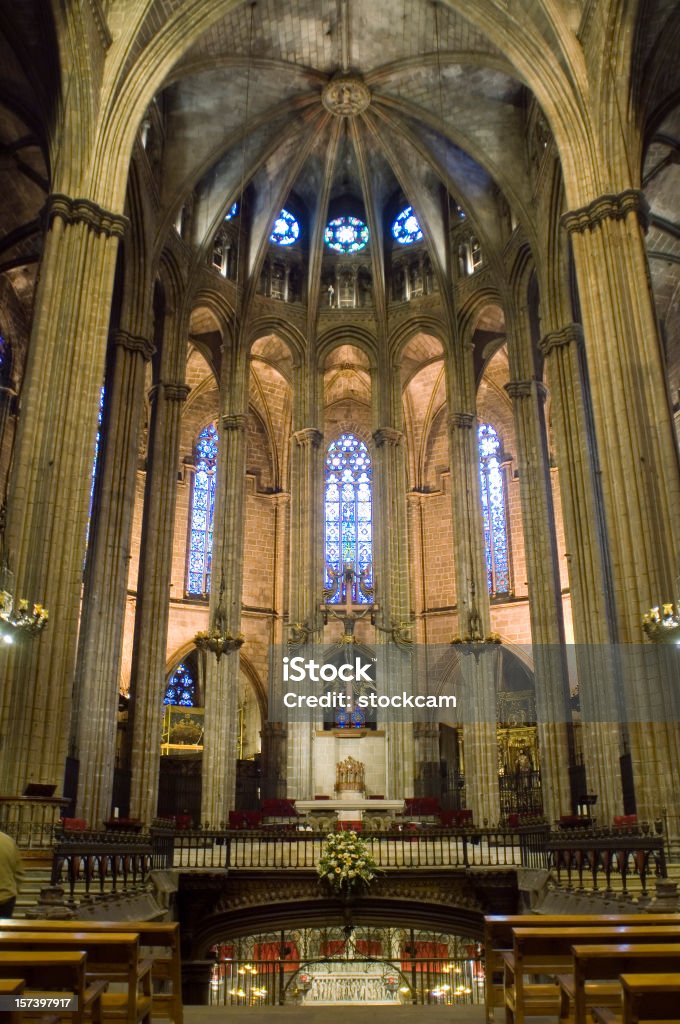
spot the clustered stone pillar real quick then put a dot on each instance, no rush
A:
(147, 683)
(547, 633)
(222, 675)
(638, 461)
(391, 574)
(588, 575)
(306, 575)
(101, 630)
(50, 487)
(480, 669)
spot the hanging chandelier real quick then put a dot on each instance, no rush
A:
(662, 625)
(217, 639)
(16, 617)
(17, 621)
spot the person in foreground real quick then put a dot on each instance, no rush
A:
(11, 874)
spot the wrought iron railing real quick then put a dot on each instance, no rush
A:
(589, 858)
(32, 822)
(410, 848)
(338, 981)
(521, 793)
(101, 862)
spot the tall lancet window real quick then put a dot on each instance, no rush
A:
(494, 511)
(202, 512)
(348, 509)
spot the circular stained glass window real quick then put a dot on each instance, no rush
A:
(406, 228)
(286, 229)
(233, 210)
(346, 234)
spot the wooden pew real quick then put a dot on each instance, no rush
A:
(48, 972)
(498, 938)
(603, 963)
(111, 957)
(12, 987)
(547, 951)
(646, 997)
(166, 969)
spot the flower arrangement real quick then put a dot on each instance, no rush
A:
(346, 862)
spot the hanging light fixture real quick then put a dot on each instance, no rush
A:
(662, 624)
(17, 617)
(217, 639)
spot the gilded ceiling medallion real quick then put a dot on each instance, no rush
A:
(346, 96)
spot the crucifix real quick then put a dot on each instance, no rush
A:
(349, 613)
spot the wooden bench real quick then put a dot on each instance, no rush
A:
(111, 957)
(606, 963)
(159, 941)
(498, 938)
(547, 951)
(646, 997)
(48, 972)
(12, 987)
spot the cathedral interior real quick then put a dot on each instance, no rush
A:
(340, 330)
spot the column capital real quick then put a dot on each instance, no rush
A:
(84, 211)
(134, 343)
(171, 392)
(308, 437)
(525, 388)
(235, 421)
(462, 420)
(571, 334)
(388, 436)
(610, 206)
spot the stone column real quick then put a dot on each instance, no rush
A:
(479, 670)
(147, 677)
(222, 675)
(273, 732)
(640, 472)
(545, 599)
(101, 630)
(50, 488)
(633, 424)
(306, 580)
(392, 577)
(589, 584)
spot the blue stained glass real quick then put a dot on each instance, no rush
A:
(406, 228)
(494, 512)
(181, 688)
(286, 229)
(348, 508)
(233, 210)
(202, 510)
(95, 460)
(346, 234)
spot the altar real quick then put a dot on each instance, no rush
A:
(349, 809)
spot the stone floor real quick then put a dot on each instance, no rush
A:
(340, 1014)
(335, 1014)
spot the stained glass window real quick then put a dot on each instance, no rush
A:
(202, 512)
(5, 359)
(286, 229)
(348, 509)
(406, 228)
(494, 512)
(95, 460)
(346, 234)
(232, 211)
(181, 688)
